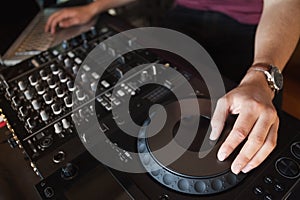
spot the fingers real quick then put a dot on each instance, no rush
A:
(68, 22)
(55, 20)
(218, 119)
(239, 132)
(255, 141)
(265, 150)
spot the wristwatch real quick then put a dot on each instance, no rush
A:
(273, 75)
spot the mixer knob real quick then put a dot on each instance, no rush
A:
(44, 75)
(54, 69)
(57, 128)
(47, 98)
(44, 115)
(65, 123)
(51, 82)
(59, 92)
(28, 94)
(68, 62)
(94, 86)
(22, 85)
(36, 105)
(31, 122)
(85, 44)
(144, 76)
(40, 89)
(83, 37)
(71, 86)
(80, 95)
(33, 80)
(93, 31)
(60, 57)
(23, 111)
(56, 109)
(62, 77)
(68, 101)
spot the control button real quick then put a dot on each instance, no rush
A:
(44, 115)
(71, 86)
(10, 92)
(75, 69)
(54, 68)
(217, 185)
(57, 128)
(65, 44)
(40, 89)
(68, 101)
(31, 122)
(258, 190)
(36, 105)
(62, 77)
(32, 80)
(69, 171)
(278, 187)
(78, 61)
(84, 77)
(59, 92)
(44, 75)
(295, 149)
(71, 54)
(22, 85)
(65, 123)
(28, 94)
(268, 180)
(47, 98)
(56, 109)
(287, 167)
(86, 68)
(120, 93)
(46, 142)
(268, 197)
(48, 192)
(94, 86)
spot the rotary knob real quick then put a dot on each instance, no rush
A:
(56, 109)
(68, 101)
(65, 123)
(23, 111)
(28, 94)
(33, 80)
(51, 82)
(68, 62)
(71, 86)
(31, 122)
(57, 128)
(54, 68)
(62, 77)
(36, 105)
(44, 115)
(40, 89)
(44, 75)
(22, 85)
(16, 101)
(48, 99)
(287, 167)
(59, 92)
(80, 95)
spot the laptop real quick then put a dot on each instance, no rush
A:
(22, 30)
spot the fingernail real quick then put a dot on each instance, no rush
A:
(212, 135)
(236, 169)
(222, 156)
(247, 168)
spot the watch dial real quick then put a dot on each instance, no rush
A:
(278, 79)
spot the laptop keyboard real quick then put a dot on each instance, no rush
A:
(37, 40)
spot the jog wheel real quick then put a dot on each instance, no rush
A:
(196, 170)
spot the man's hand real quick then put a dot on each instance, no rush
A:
(69, 17)
(257, 122)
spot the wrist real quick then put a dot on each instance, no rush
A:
(258, 79)
(95, 7)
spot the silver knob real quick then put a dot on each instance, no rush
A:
(28, 94)
(48, 99)
(65, 124)
(44, 115)
(36, 105)
(68, 101)
(33, 80)
(56, 109)
(57, 128)
(22, 85)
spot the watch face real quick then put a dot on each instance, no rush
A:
(278, 78)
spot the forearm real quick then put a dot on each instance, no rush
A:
(99, 6)
(278, 32)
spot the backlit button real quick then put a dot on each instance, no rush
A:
(278, 187)
(268, 197)
(268, 180)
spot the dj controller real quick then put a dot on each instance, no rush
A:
(42, 105)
